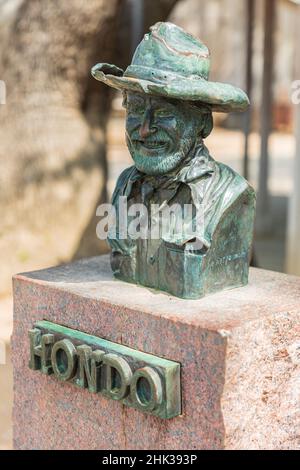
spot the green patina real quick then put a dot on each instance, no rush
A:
(169, 102)
(104, 344)
(137, 379)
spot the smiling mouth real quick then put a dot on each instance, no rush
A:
(152, 145)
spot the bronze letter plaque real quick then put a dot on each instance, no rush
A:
(148, 383)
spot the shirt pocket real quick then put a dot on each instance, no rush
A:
(181, 273)
(172, 269)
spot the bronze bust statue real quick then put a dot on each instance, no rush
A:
(169, 102)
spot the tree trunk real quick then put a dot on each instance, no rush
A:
(53, 167)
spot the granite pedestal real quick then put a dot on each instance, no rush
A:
(239, 352)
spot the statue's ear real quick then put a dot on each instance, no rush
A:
(208, 124)
(124, 102)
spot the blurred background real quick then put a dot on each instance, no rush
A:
(62, 133)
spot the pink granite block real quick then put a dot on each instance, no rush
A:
(239, 351)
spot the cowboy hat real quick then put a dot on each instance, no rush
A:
(172, 63)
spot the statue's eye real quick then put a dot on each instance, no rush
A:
(164, 113)
(135, 109)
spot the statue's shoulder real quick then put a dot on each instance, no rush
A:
(125, 175)
(227, 192)
(234, 185)
(122, 181)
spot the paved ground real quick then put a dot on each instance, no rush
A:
(225, 146)
(6, 404)
(5, 375)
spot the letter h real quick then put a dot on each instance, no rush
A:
(40, 351)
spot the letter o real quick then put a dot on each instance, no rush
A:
(146, 389)
(64, 359)
(113, 361)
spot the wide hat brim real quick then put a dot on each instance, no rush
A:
(221, 97)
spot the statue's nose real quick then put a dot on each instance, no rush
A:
(147, 127)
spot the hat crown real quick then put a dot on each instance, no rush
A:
(168, 47)
(172, 63)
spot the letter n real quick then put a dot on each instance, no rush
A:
(89, 368)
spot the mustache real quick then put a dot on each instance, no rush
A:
(186, 145)
(158, 136)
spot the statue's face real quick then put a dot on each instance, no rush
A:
(160, 132)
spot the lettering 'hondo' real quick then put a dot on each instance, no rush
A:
(103, 371)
